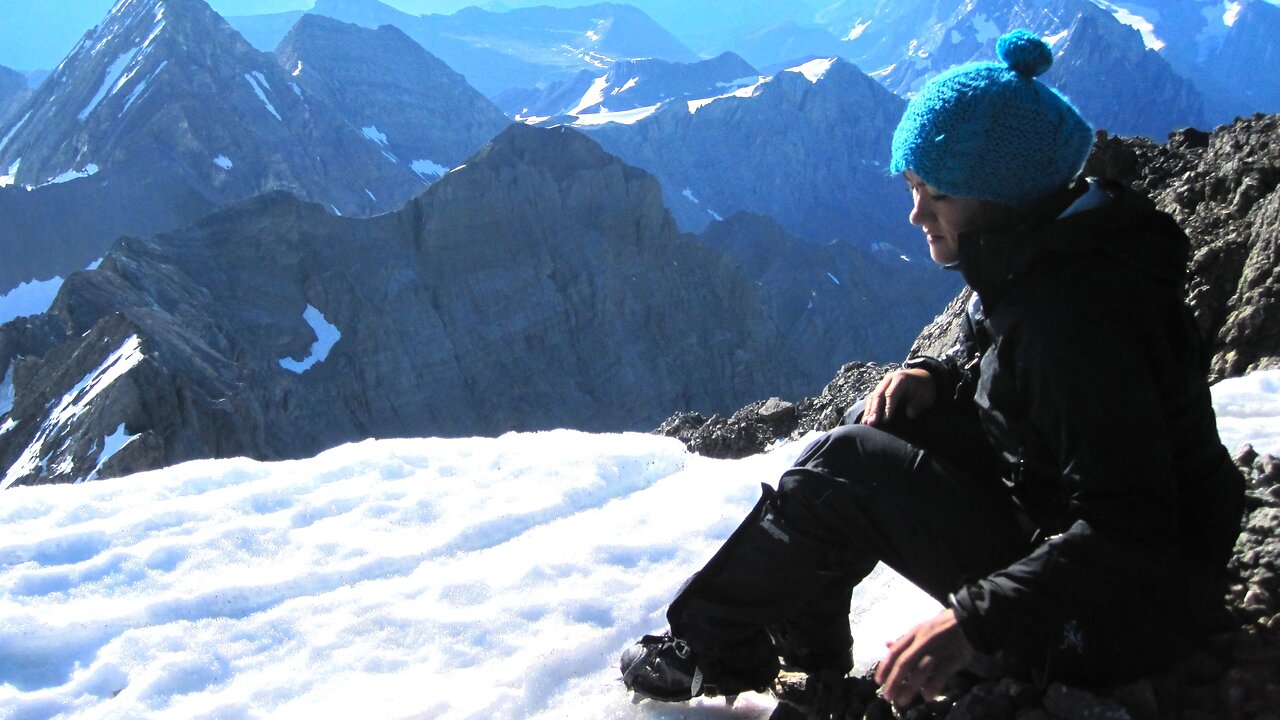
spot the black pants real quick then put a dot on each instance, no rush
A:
(925, 498)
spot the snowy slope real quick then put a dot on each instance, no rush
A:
(473, 578)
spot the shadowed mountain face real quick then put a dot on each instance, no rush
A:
(407, 102)
(543, 284)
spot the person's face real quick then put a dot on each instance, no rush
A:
(944, 217)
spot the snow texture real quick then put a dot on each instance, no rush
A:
(421, 578)
(327, 335)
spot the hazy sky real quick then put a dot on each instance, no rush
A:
(38, 34)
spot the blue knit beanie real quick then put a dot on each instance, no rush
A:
(992, 131)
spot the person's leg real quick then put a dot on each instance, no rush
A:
(857, 496)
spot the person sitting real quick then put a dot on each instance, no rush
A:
(1056, 481)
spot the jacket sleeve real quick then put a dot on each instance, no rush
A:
(1091, 394)
(953, 373)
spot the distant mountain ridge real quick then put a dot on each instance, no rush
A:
(806, 146)
(629, 85)
(521, 48)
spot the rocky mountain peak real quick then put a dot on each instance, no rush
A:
(411, 106)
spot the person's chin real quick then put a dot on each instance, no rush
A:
(942, 254)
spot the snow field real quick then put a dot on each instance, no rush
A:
(424, 578)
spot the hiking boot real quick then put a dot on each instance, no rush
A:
(660, 667)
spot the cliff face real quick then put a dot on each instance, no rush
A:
(541, 285)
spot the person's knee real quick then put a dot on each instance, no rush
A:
(844, 451)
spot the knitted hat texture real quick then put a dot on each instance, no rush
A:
(992, 131)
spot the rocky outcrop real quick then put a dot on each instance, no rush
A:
(541, 285)
(1222, 189)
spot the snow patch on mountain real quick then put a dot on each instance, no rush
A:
(744, 92)
(72, 405)
(327, 335)
(814, 70)
(373, 134)
(593, 96)
(426, 168)
(6, 399)
(1130, 16)
(857, 30)
(259, 84)
(111, 445)
(622, 117)
(14, 130)
(69, 175)
(10, 176)
(1231, 13)
(111, 82)
(142, 86)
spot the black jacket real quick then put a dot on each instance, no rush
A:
(1090, 381)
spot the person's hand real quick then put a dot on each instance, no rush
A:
(908, 392)
(922, 661)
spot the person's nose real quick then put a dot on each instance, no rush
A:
(921, 209)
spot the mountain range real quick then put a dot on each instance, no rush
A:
(498, 51)
(164, 112)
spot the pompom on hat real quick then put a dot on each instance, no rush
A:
(992, 131)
